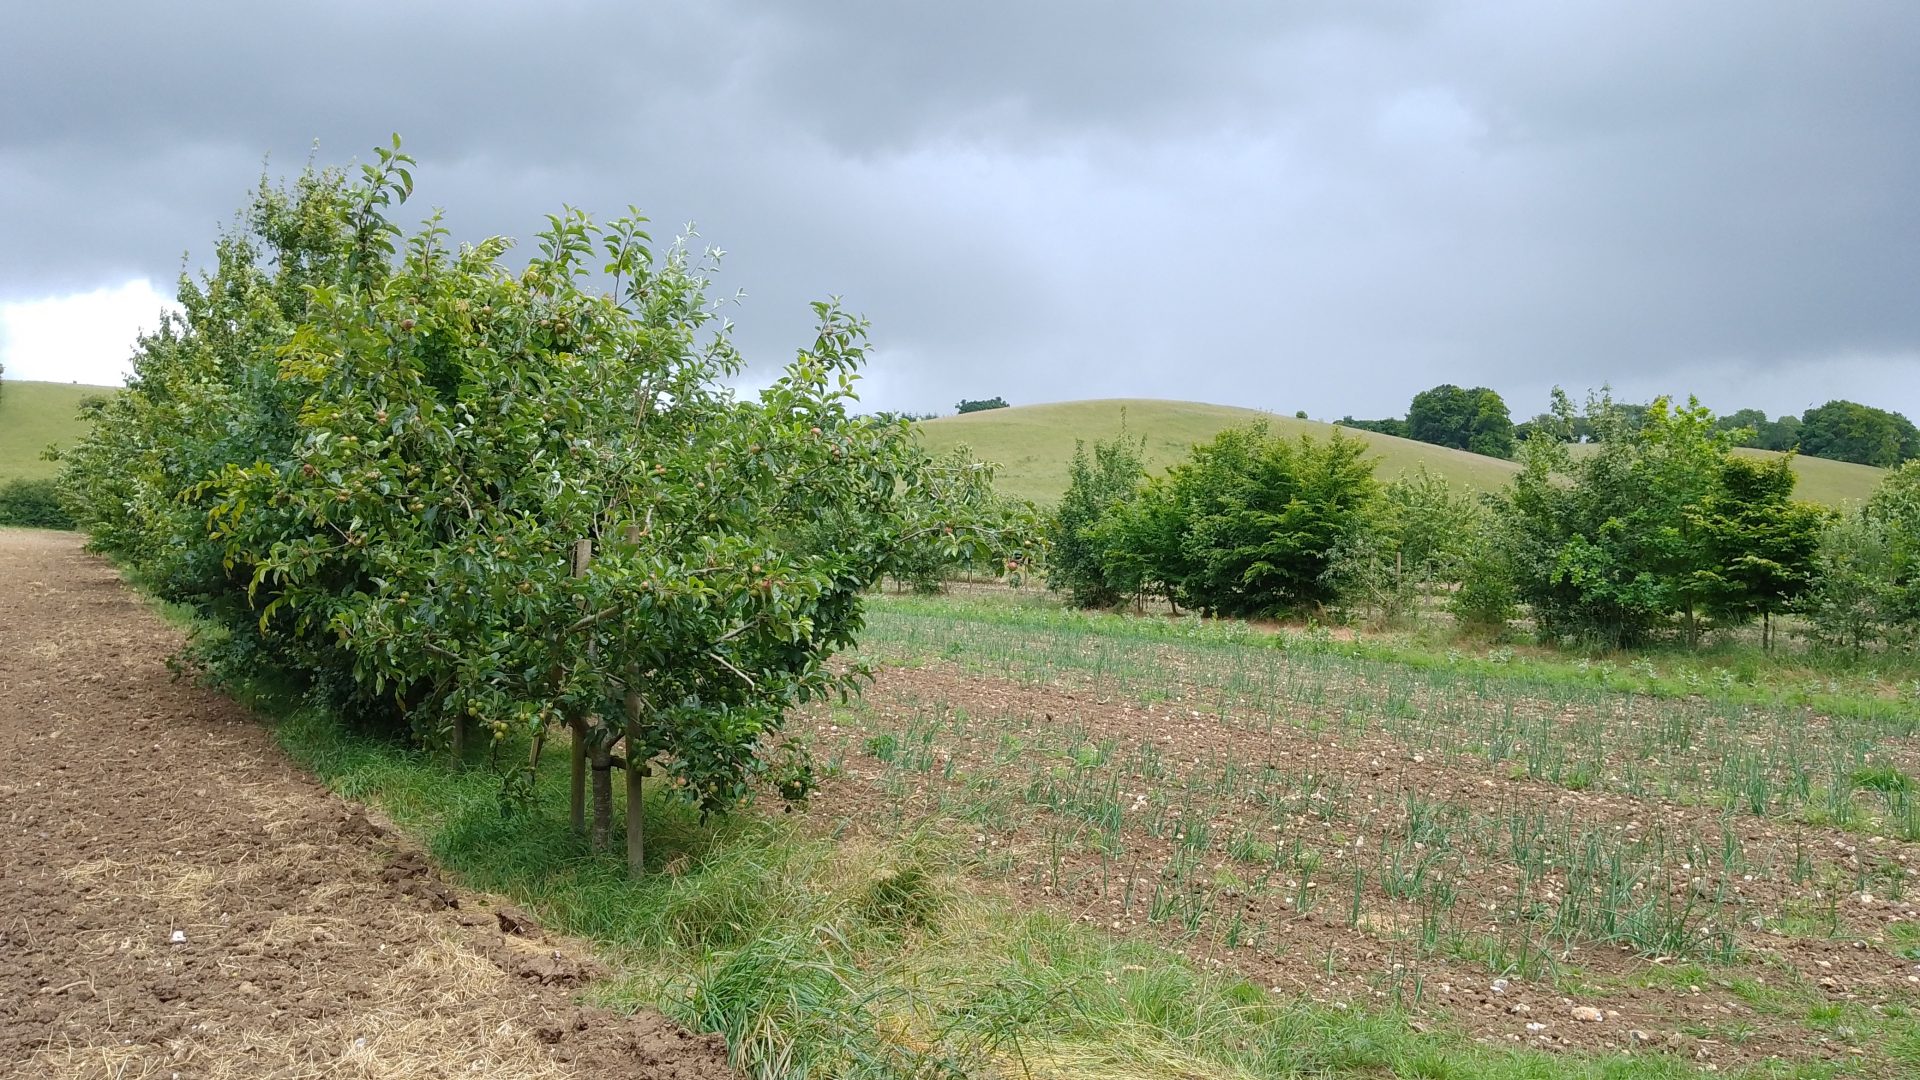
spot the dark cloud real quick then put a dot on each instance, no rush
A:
(1294, 206)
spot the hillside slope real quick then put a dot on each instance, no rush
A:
(1825, 481)
(1033, 444)
(34, 414)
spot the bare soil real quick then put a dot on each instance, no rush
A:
(178, 900)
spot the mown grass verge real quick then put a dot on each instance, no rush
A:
(819, 952)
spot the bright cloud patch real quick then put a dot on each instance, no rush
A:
(82, 337)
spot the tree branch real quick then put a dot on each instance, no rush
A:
(744, 677)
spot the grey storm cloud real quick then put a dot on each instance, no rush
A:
(1321, 206)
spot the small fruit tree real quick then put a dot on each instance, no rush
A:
(520, 501)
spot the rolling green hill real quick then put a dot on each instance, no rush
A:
(1033, 443)
(1827, 482)
(34, 414)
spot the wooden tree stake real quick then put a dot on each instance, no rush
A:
(581, 559)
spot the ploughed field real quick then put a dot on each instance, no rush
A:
(181, 901)
(1533, 862)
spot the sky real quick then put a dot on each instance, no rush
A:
(1309, 206)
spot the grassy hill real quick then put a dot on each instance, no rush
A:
(34, 414)
(1033, 443)
(1830, 483)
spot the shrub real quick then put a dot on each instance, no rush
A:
(1485, 600)
(1866, 587)
(33, 504)
(1414, 541)
(1097, 486)
(1247, 525)
(1658, 529)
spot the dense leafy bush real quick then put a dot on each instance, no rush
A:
(1417, 538)
(1475, 420)
(968, 405)
(33, 504)
(1850, 431)
(1867, 588)
(1247, 525)
(1097, 486)
(1659, 528)
(1486, 599)
(513, 500)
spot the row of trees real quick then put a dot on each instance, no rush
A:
(1477, 420)
(1660, 531)
(1839, 430)
(471, 498)
(1660, 527)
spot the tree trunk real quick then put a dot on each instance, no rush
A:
(577, 788)
(636, 803)
(460, 741)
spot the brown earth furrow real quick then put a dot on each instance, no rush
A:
(179, 900)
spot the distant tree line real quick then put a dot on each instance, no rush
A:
(1662, 532)
(966, 405)
(1477, 420)
(1838, 430)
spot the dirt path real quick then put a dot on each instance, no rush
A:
(178, 900)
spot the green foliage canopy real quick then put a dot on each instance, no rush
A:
(1850, 431)
(1660, 524)
(1475, 420)
(1867, 590)
(377, 458)
(1248, 524)
(1098, 486)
